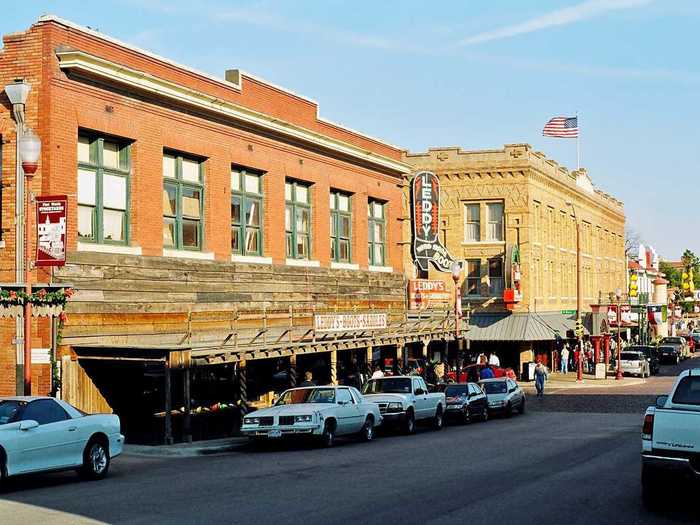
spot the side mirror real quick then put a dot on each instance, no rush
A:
(419, 392)
(28, 424)
(343, 402)
(661, 401)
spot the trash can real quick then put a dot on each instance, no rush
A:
(528, 373)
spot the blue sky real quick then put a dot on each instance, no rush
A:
(476, 74)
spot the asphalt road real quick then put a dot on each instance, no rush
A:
(572, 458)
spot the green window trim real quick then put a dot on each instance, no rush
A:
(96, 165)
(295, 209)
(376, 221)
(246, 200)
(338, 216)
(181, 187)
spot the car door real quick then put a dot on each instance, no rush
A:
(477, 399)
(48, 445)
(420, 392)
(348, 413)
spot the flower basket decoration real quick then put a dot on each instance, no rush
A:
(44, 303)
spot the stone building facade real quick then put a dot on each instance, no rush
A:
(515, 199)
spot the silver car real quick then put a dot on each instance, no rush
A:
(504, 395)
(634, 363)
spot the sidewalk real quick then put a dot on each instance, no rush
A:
(559, 381)
(183, 450)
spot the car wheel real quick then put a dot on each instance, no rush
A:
(509, 410)
(466, 417)
(95, 460)
(438, 420)
(521, 408)
(368, 430)
(328, 436)
(650, 488)
(409, 426)
(485, 415)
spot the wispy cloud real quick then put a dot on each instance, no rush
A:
(560, 17)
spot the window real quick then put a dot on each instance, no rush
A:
(103, 189)
(688, 391)
(297, 219)
(495, 221)
(342, 396)
(472, 223)
(340, 226)
(182, 202)
(536, 222)
(473, 277)
(496, 280)
(376, 233)
(44, 411)
(246, 212)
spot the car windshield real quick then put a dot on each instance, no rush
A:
(666, 349)
(391, 385)
(456, 390)
(672, 340)
(688, 391)
(630, 356)
(307, 395)
(495, 387)
(10, 411)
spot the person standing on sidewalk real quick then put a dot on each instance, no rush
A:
(565, 360)
(541, 376)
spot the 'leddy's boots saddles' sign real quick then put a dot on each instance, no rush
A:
(427, 246)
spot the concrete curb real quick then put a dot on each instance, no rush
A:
(587, 383)
(188, 450)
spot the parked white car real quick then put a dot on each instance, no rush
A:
(39, 434)
(634, 363)
(405, 400)
(671, 439)
(321, 412)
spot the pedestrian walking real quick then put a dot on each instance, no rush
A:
(565, 360)
(541, 376)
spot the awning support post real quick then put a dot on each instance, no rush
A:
(168, 403)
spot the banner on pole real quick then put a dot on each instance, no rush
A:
(51, 230)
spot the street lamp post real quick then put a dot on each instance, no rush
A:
(579, 292)
(618, 297)
(27, 161)
(456, 272)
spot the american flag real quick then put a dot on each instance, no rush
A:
(562, 127)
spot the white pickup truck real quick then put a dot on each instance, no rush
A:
(404, 400)
(671, 438)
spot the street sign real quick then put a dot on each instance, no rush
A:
(568, 312)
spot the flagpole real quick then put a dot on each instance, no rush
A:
(578, 145)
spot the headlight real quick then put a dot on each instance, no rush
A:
(394, 407)
(303, 419)
(251, 421)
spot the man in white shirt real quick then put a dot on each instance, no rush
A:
(494, 360)
(378, 373)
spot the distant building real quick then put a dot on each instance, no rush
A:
(504, 214)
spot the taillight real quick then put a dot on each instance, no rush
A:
(648, 426)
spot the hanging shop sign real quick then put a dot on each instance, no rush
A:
(513, 294)
(427, 247)
(349, 322)
(51, 230)
(625, 314)
(427, 293)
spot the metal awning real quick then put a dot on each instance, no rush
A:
(533, 326)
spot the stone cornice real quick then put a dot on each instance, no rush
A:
(93, 66)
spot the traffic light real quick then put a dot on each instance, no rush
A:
(634, 285)
(579, 328)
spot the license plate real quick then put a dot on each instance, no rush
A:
(274, 434)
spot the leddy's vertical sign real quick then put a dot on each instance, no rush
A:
(425, 200)
(51, 230)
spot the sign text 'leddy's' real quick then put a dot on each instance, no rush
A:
(427, 247)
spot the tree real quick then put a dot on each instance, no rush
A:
(673, 276)
(692, 262)
(632, 241)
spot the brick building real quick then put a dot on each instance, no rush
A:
(508, 215)
(210, 222)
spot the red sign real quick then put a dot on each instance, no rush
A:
(425, 293)
(625, 314)
(51, 230)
